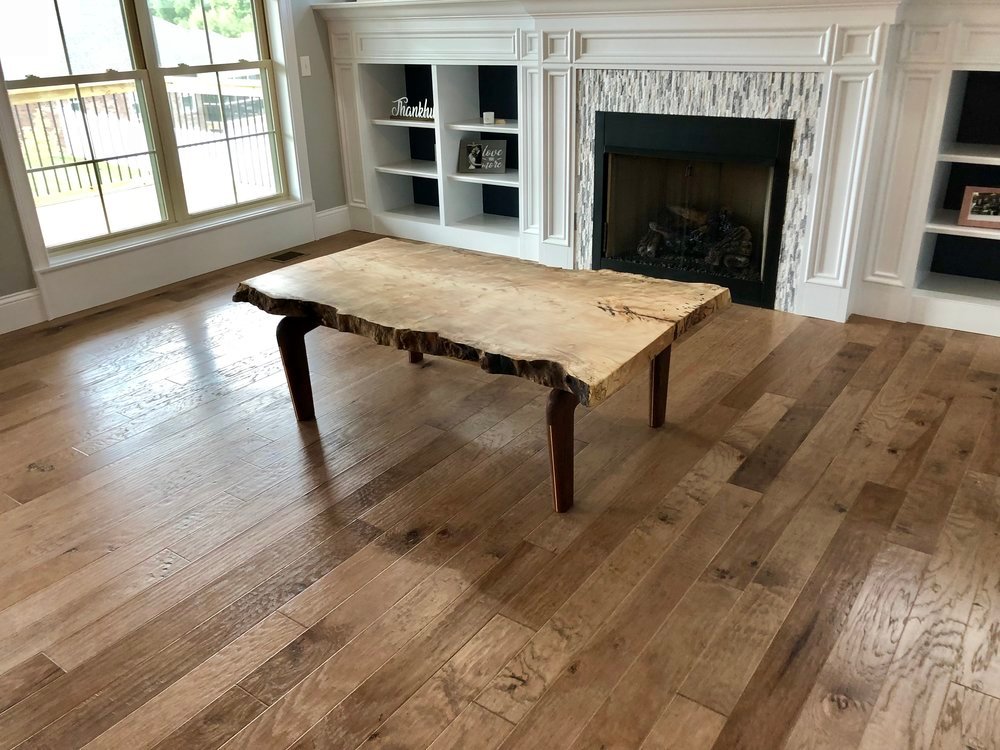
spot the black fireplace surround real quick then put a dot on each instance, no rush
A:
(693, 156)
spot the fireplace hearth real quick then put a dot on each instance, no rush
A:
(692, 199)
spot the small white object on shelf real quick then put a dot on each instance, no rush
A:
(489, 118)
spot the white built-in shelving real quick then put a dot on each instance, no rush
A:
(392, 123)
(411, 168)
(414, 187)
(954, 258)
(970, 153)
(478, 126)
(945, 221)
(510, 178)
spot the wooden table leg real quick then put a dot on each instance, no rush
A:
(559, 416)
(292, 345)
(416, 358)
(659, 374)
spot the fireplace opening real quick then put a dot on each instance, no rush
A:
(692, 199)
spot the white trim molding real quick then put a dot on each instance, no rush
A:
(88, 281)
(331, 221)
(20, 310)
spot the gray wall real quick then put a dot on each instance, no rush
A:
(15, 268)
(320, 114)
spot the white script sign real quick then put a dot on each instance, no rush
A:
(403, 110)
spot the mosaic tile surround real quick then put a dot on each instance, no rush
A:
(791, 96)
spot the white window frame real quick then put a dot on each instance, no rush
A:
(286, 98)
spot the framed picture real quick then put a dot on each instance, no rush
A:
(488, 157)
(981, 208)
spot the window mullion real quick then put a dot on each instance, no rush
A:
(62, 36)
(93, 155)
(159, 116)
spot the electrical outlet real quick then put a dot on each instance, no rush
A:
(305, 66)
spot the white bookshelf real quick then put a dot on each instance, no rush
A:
(467, 214)
(390, 123)
(510, 178)
(477, 126)
(944, 221)
(943, 235)
(411, 168)
(970, 153)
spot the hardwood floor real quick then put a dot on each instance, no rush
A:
(805, 556)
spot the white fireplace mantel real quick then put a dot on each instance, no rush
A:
(854, 45)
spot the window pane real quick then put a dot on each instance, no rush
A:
(232, 33)
(115, 119)
(243, 102)
(69, 204)
(208, 177)
(30, 43)
(95, 35)
(253, 167)
(179, 28)
(130, 194)
(195, 108)
(49, 126)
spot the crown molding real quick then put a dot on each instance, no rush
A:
(418, 9)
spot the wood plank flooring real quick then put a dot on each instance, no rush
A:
(805, 556)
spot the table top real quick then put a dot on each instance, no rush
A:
(587, 332)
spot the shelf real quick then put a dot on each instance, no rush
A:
(970, 153)
(491, 223)
(416, 212)
(405, 123)
(411, 168)
(477, 126)
(961, 286)
(507, 179)
(946, 222)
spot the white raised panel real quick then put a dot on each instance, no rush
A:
(439, 46)
(530, 46)
(346, 86)
(978, 44)
(341, 46)
(924, 44)
(716, 48)
(857, 46)
(530, 148)
(839, 197)
(903, 173)
(557, 156)
(557, 47)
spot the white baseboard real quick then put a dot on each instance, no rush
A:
(98, 280)
(331, 221)
(20, 310)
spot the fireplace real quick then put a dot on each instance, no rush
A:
(692, 199)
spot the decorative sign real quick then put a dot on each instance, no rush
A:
(403, 110)
(489, 157)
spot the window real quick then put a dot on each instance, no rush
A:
(136, 113)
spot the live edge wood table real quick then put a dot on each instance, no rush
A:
(584, 334)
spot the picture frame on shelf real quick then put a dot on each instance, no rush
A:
(980, 208)
(482, 156)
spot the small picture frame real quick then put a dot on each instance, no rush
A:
(981, 208)
(486, 157)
